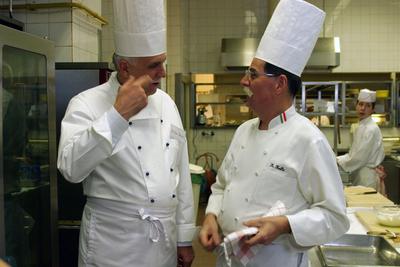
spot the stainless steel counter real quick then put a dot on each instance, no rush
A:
(355, 228)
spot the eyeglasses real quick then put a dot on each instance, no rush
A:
(252, 74)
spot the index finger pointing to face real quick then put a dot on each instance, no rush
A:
(143, 81)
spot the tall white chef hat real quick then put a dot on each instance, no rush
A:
(366, 95)
(139, 28)
(291, 35)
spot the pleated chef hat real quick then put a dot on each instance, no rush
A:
(366, 95)
(291, 35)
(139, 28)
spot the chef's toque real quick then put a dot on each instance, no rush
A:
(291, 35)
(139, 28)
(366, 95)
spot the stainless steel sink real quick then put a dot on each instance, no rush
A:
(358, 250)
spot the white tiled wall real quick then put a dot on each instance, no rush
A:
(211, 20)
(107, 40)
(370, 39)
(75, 34)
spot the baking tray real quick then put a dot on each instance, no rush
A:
(358, 250)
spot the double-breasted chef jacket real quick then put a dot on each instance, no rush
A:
(135, 174)
(365, 154)
(291, 162)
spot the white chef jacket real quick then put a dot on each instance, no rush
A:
(365, 154)
(291, 162)
(143, 162)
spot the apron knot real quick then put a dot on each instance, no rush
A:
(156, 227)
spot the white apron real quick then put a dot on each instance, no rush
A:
(366, 177)
(110, 228)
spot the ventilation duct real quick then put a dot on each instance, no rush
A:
(237, 53)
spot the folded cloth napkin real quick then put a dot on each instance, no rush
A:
(234, 243)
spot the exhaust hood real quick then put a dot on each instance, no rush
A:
(237, 53)
(326, 54)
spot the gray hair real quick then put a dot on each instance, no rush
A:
(117, 58)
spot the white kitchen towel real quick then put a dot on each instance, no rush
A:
(234, 243)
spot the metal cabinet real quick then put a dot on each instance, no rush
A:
(319, 101)
(28, 196)
(349, 86)
(215, 100)
(328, 99)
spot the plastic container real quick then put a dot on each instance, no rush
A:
(196, 173)
(388, 215)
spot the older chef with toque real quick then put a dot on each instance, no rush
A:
(125, 142)
(366, 151)
(278, 164)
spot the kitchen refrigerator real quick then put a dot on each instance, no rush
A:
(70, 80)
(28, 194)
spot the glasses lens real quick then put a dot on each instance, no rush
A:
(252, 74)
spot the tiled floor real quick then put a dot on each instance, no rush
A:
(202, 258)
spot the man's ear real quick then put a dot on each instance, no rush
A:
(282, 84)
(123, 69)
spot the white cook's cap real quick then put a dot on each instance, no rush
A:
(139, 28)
(367, 96)
(291, 35)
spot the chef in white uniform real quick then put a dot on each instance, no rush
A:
(125, 142)
(279, 156)
(366, 151)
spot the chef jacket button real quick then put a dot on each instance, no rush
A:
(152, 200)
(236, 219)
(130, 123)
(162, 121)
(276, 132)
(256, 173)
(171, 170)
(246, 199)
(167, 144)
(242, 146)
(147, 173)
(139, 147)
(265, 153)
(173, 195)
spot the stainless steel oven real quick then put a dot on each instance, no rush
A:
(28, 192)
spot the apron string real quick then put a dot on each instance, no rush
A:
(156, 226)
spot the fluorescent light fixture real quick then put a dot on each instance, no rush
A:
(336, 41)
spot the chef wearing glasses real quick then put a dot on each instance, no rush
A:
(278, 156)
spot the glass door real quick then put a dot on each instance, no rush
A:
(26, 176)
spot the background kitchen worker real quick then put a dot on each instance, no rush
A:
(366, 151)
(124, 140)
(279, 156)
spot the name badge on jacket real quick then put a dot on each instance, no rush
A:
(277, 167)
